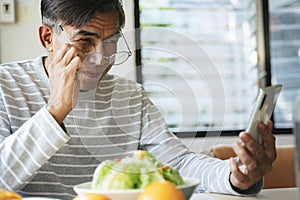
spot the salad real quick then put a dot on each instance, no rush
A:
(134, 172)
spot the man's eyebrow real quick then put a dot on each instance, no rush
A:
(87, 33)
(116, 34)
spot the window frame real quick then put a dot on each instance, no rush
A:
(264, 64)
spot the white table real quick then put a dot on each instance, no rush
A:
(266, 194)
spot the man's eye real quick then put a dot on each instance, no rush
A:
(111, 41)
(84, 40)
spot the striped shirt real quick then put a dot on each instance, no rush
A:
(38, 158)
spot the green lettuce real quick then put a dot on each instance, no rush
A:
(101, 172)
(133, 173)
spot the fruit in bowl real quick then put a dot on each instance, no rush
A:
(91, 196)
(129, 194)
(161, 190)
(128, 177)
(133, 173)
(8, 195)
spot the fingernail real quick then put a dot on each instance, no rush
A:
(245, 136)
(262, 126)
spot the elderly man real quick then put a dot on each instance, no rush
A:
(63, 114)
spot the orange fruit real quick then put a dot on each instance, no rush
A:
(7, 195)
(161, 190)
(91, 197)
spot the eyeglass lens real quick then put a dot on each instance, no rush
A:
(109, 49)
(94, 58)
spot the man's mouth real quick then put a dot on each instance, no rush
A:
(91, 74)
(92, 71)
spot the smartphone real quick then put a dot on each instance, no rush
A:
(263, 109)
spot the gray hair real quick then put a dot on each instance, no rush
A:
(78, 12)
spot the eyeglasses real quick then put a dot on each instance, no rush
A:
(109, 46)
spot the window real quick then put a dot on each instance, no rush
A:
(285, 56)
(199, 60)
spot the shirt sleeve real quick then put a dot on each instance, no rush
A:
(23, 152)
(213, 173)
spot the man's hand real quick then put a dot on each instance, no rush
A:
(64, 87)
(256, 158)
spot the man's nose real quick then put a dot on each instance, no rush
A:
(99, 48)
(96, 58)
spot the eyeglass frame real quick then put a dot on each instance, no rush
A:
(107, 58)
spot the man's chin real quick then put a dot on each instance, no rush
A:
(90, 81)
(88, 84)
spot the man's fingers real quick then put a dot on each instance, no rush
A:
(241, 177)
(253, 155)
(256, 158)
(266, 133)
(249, 142)
(237, 178)
(61, 52)
(74, 65)
(70, 54)
(254, 148)
(244, 156)
(268, 139)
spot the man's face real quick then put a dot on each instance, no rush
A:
(88, 39)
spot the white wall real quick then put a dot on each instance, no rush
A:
(19, 40)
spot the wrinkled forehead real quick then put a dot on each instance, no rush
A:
(101, 25)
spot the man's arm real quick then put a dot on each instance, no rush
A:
(23, 152)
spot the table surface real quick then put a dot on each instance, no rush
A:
(266, 194)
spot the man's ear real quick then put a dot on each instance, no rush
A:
(45, 35)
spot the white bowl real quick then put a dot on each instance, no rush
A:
(132, 194)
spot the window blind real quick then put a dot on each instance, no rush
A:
(199, 61)
(285, 56)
